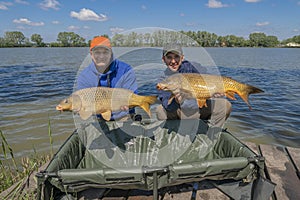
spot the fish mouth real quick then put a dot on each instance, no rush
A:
(59, 108)
(160, 86)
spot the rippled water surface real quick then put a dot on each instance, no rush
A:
(34, 80)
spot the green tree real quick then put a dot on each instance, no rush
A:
(77, 41)
(14, 38)
(258, 39)
(132, 39)
(271, 41)
(157, 39)
(118, 40)
(2, 42)
(105, 35)
(64, 38)
(70, 39)
(222, 41)
(296, 39)
(192, 35)
(147, 39)
(37, 39)
(234, 41)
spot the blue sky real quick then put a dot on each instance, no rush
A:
(89, 18)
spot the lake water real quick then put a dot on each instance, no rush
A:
(34, 80)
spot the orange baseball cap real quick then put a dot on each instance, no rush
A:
(101, 42)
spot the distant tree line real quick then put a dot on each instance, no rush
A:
(200, 38)
(295, 39)
(64, 39)
(155, 39)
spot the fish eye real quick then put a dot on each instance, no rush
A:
(66, 101)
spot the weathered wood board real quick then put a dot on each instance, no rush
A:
(282, 172)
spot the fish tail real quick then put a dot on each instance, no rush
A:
(249, 89)
(254, 90)
(147, 101)
(144, 102)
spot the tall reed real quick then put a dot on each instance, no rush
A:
(14, 179)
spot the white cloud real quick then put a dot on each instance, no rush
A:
(116, 30)
(216, 4)
(88, 15)
(252, 1)
(4, 5)
(22, 2)
(144, 7)
(27, 22)
(50, 4)
(181, 14)
(55, 22)
(262, 23)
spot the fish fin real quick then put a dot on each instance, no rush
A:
(85, 114)
(201, 103)
(253, 90)
(142, 101)
(147, 101)
(244, 96)
(151, 99)
(106, 115)
(230, 95)
(249, 90)
(146, 108)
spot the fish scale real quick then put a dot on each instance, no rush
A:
(204, 86)
(104, 100)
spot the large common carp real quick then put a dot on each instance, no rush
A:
(204, 86)
(103, 100)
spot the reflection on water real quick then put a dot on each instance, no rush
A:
(34, 83)
(275, 118)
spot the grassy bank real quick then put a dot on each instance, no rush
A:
(15, 173)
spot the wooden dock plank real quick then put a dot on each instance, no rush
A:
(205, 191)
(281, 172)
(211, 194)
(295, 156)
(207, 194)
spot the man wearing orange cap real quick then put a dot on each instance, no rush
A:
(105, 71)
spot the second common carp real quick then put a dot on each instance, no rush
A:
(104, 100)
(204, 86)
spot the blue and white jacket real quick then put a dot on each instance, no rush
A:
(119, 75)
(188, 104)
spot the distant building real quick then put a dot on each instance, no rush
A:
(292, 44)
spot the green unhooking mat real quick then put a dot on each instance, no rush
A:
(135, 155)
